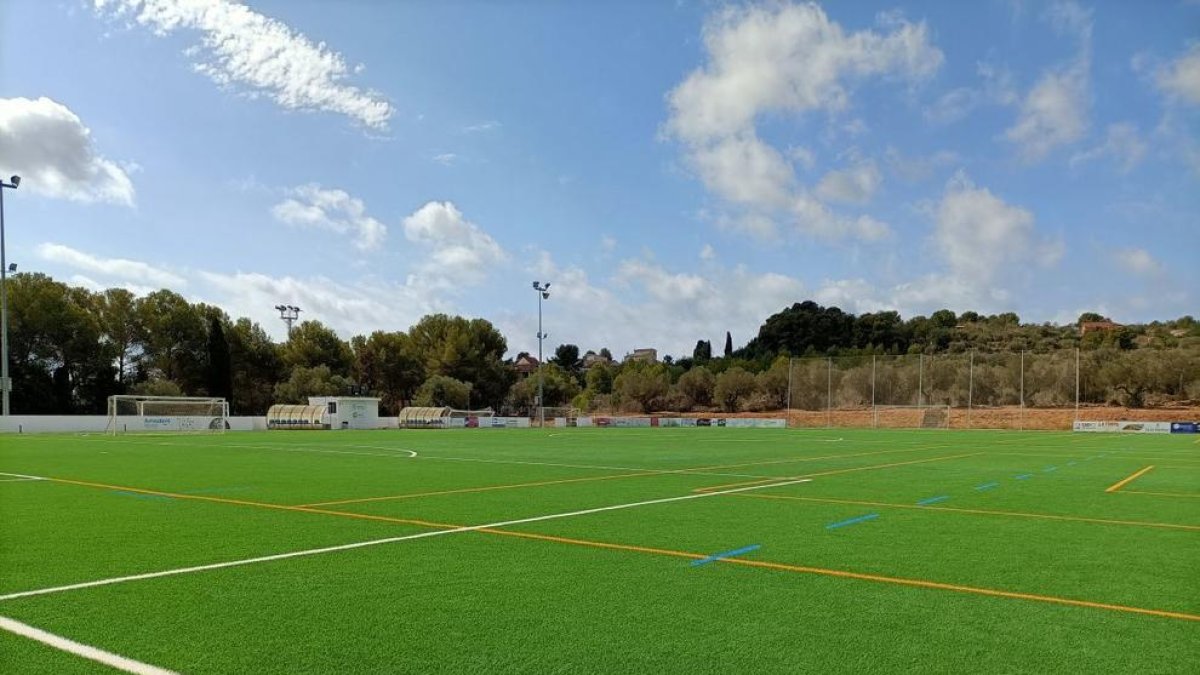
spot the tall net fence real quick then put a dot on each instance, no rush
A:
(994, 390)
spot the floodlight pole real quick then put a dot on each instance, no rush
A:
(788, 415)
(289, 314)
(543, 291)
(5, 382)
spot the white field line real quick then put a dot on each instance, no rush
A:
(388, 540)
(19, 476)
(90, 653)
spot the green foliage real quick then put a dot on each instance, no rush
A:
(157, 388)
(315, 381)
(387, 364)
(443, 390)
(256, 366)
(697, 386)
(558, 388)
(312, 344)
(567, 357)
(642, 385)
(218, 366)
(702, 352)
(600, 379)
(733, 388)
(470, 350)
(773, 384)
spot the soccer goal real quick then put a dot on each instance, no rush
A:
(911, 416)
(167, 414)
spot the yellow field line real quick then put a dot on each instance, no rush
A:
(1128, 479)
(1159, 494)
(844, 574)
(991, 512)
(832, 472)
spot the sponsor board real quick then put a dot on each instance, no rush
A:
(1185, 427)
(1123, 427)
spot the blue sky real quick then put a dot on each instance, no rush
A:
(674, 169)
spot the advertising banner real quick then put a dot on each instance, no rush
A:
(1124, 426)
(1185, 427)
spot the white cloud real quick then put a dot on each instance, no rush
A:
(334, 210)
(459, 252)
(264, 56)
(348, 307)
(1180, 79)
(445, 158)
(1055, 111)
(114, 268)
(490, 125)
(917, 168)
(1137, 261)
(49, 147)
(686, 306)
(608, 244)
(781, 58)
(812, 217)
(1122, 143)
(855, 185)
(997, 88)
(707, 252)
(978, 234)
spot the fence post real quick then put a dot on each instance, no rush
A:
(1076, 386)
(970, 387)
(788, 415)
(829, 393)
(921, 380)
(1021, 420)
(874, 413)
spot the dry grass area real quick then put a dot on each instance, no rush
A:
(977, 418)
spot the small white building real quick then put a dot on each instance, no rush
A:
(349, 412)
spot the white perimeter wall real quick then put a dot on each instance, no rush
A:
(32, 424)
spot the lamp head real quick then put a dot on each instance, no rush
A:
(12, 267)
(15, 180)
(545, 295)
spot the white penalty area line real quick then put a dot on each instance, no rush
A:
(14, 477)
(88, 652)
(388, 540)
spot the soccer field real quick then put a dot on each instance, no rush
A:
(604, 550)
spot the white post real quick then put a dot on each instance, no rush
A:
(788, 415)
(921, 381)
(1021, 423)
(829, 394)
(1077, 384)
(970, 387)
(874, 413)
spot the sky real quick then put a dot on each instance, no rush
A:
(674, 170)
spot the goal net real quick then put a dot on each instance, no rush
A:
(911, 416)
(167, 414)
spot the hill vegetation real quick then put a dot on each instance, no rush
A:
(70, 348)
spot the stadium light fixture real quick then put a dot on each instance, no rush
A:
(289, 314)
(5, 268)
(543, 291)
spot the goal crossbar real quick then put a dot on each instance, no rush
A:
(129, 413)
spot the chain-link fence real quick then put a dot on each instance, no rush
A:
(993, 390)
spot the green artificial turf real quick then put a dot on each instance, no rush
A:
(562, 601)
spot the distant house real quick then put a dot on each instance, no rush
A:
(1093, 326)
(525, 365)
(591, 358)
(647, 355)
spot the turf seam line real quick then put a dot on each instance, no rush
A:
(834, 472)
(852, 521)
(122, 663)
(989, 512)
(725, 554)
(373, 542)
(1128, 479)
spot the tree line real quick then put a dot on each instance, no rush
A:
(70, 348)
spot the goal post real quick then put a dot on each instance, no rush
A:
(929, 416)
(128, 413)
